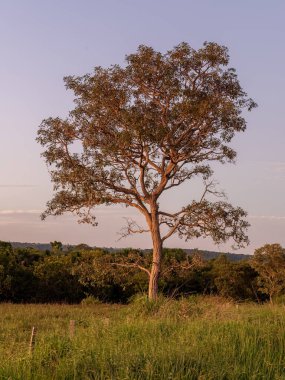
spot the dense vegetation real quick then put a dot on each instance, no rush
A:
(199, 337)
(29, 275)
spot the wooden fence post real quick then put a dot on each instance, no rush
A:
(32, 340)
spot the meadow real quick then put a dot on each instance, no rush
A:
(194, 338)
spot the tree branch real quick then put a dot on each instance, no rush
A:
(133, 265)
(131, 228)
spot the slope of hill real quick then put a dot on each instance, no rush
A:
(207, 255)
(40, 246)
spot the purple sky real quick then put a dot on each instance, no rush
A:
(42, 41)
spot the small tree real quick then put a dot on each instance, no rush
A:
(144, 129)
(56, 246)
(269, 262)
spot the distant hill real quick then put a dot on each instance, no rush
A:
(40, 246)
(207, 255)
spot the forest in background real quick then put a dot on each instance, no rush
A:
(74, 274)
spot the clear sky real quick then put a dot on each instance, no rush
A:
(43, 41)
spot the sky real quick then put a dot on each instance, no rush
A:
(43, 41)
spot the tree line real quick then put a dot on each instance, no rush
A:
(55, 275)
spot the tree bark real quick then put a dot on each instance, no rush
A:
(156, 255)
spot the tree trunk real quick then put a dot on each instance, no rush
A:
(156, 255)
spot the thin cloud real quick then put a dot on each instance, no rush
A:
(16, 186)
(97, 212)
(100, 211)
(267, 217)
(277, 167)
(19, 212)
(270, 163)
(274, 166)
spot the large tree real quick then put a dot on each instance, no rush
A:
(143, 129)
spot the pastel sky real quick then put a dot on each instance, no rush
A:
(43, 41)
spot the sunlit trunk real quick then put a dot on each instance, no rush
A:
(156, 256)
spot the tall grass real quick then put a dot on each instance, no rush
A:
(196, 338)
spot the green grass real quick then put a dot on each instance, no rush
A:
(197, 338)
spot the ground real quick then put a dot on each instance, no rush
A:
(195, 338)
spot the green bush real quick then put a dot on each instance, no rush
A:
(90, 300)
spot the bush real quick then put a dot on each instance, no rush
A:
(90, 300)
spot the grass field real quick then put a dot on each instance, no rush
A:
(195, 338)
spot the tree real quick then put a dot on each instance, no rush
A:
(17, 282)
(56, 280)
(141, 130)
(235, 280)
(269, 262)
(6, 248)
(56, 247)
